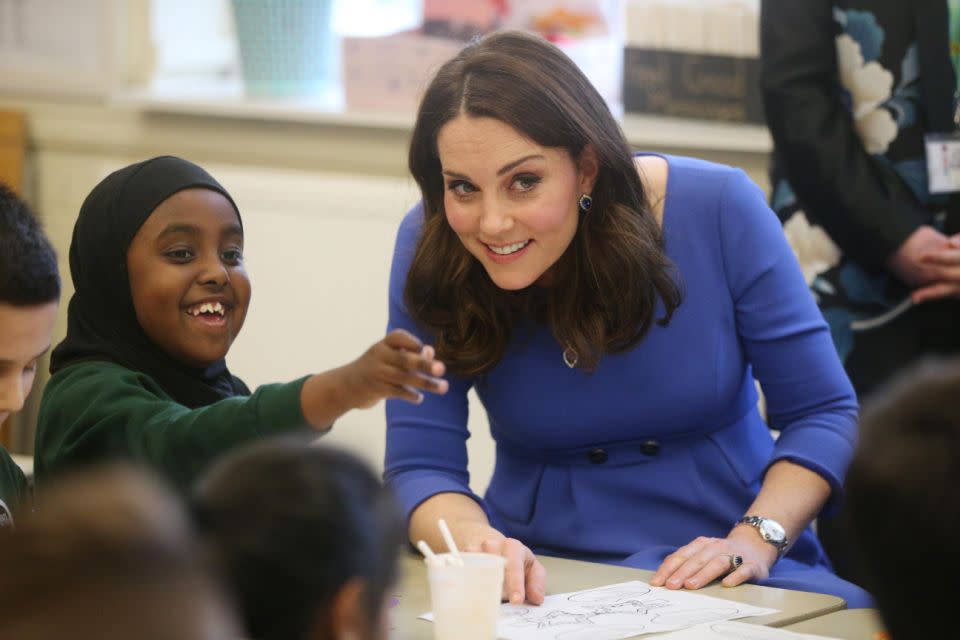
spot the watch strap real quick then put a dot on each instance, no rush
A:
(756, 522)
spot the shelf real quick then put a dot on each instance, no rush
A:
(227, 101)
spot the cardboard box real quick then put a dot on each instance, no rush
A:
(390, 73)
(692, 85)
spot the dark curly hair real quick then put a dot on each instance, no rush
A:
(28, 263)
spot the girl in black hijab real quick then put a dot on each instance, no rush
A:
(160, 294)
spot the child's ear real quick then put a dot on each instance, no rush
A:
(349, 617)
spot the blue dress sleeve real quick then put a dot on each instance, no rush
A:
(426, 450)
(809, 397)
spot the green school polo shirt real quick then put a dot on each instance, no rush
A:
(97, 411)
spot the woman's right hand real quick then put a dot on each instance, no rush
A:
(524, 578)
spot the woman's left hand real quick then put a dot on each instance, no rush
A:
(705, 559)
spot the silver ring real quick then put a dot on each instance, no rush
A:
(735, 561)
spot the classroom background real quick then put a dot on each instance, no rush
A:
(303, 110)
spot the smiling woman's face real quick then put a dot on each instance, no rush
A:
(512, 202)
(189, 287)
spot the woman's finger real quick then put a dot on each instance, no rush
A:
(495, 547)
(515, 577)
(695, 563)
(536, 585)
(718, 566)
(525, 578)
(491, 545)
(513, 571)
(747, 571)
(676, 559)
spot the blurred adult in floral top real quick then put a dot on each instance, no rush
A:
(850, 90)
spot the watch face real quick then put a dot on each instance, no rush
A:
(772, 530)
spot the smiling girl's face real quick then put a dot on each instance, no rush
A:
(512, 202)
(189, 287)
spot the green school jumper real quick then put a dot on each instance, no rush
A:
(13, 488)
(97, 411)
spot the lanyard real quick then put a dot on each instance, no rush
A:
(954, 6)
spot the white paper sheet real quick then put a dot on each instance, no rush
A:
(737, 631)
(616, 611)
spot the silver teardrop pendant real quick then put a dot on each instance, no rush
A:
(570, 357)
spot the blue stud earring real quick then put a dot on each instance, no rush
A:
(585, 203)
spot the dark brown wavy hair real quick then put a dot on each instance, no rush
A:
(608, 281)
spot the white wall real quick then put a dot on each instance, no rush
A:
(318, 249)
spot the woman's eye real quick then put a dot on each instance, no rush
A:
(30, 368)
(525, 182)
(461, 188)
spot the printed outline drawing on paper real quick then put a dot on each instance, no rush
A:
(691, 617)
(609, 595)
(621, 611)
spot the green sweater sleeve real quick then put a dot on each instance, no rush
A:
(13, 485)
(96, 411)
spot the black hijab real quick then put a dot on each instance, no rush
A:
(101, 321)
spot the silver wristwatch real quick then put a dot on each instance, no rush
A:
(770, 530)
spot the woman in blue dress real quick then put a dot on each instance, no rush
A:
(612, 312)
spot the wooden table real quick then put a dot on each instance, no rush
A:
(571, 575)
(849, 624)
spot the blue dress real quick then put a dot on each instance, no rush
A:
(663, 443)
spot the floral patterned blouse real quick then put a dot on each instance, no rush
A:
(850, 90)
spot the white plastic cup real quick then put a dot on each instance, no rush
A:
(466, 600)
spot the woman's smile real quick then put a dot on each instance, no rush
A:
(506, 253)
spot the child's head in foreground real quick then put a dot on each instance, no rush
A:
(108, 554)
(308, 538)
(902, 498)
